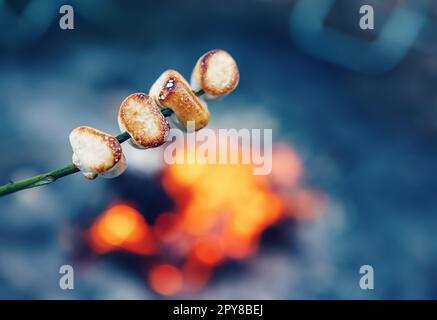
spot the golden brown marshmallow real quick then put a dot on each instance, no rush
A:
(216, 72)
(171, 90)
(96, 152)
(142, 119)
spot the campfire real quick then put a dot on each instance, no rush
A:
(221, 212)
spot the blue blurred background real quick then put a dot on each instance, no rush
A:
(360, 109)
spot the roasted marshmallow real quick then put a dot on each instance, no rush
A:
(142, 119)
(96, 152)
(216, 72)
(171, 90)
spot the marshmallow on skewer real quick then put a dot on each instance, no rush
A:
(96, 152)
(142, 119)
(216, 72)
(171, 90)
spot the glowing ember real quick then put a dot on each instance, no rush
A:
(222, 210)
(121, 227)
(165, 279)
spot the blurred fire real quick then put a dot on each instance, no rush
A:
(222, 210)
(122, 227)
(165, 279)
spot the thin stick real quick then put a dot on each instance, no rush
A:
(52, 176)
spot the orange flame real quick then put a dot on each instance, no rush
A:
(166, 279)
(222, 210)
(121, 227)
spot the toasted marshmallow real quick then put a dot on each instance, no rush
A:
(96, 152)
(171, 90)
(216, 72)
(142, 119)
